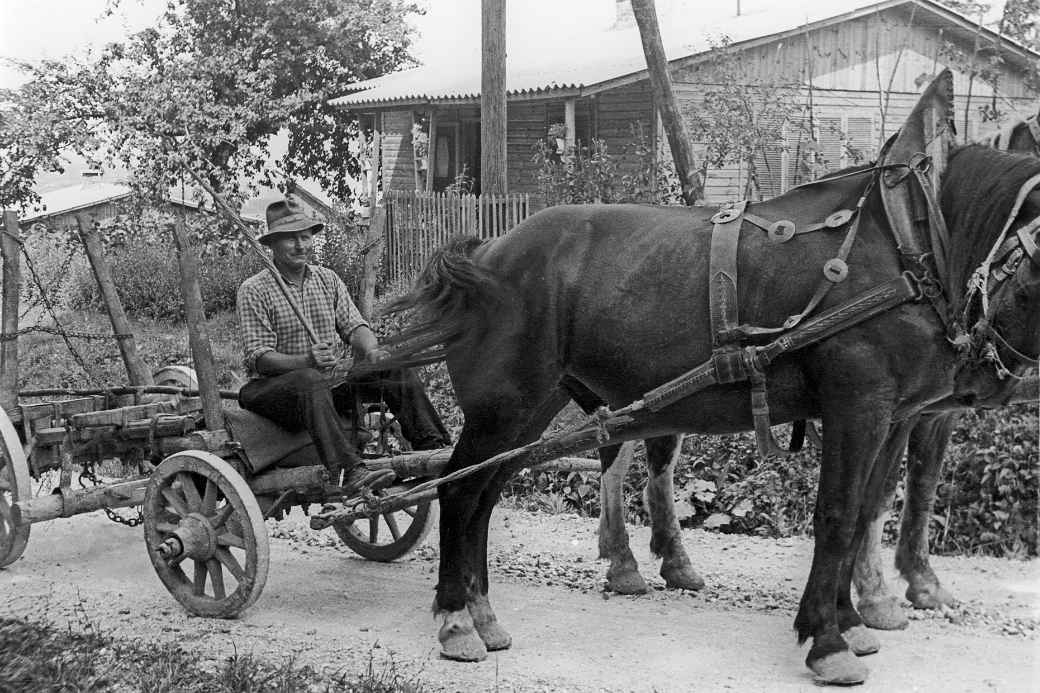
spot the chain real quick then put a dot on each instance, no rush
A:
(88, 474)
(59, 331)
(62, 276)
(54, 316)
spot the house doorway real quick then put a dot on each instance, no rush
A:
(445, 159)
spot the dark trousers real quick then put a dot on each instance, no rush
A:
(302, 400)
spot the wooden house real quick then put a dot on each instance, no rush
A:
(857, 67)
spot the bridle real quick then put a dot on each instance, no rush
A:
(990, 285)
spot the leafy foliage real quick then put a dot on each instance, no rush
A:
(590, 173)
(208, 88)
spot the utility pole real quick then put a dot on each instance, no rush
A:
(493, 97)
(661, 86)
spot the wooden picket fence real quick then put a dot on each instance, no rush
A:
(419, 222)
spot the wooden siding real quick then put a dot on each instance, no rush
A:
(398, 160)
(853, 54)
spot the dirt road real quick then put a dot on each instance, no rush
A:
(330, 609)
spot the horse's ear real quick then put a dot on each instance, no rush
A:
(929, 129)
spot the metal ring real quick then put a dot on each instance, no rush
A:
(781, 231)
(839, 218)
(835, 270)
(724, 216)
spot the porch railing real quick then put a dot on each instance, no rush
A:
(419, 222)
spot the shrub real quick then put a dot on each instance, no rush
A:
(147, 279)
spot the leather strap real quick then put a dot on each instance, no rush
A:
(722, 272)
(784, 230)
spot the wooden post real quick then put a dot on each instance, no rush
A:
(570, 123)
(493, 97)
(376, 225)
(198, 339)
(661, 85)
(10, 247)
(136, 369)
(431, 149)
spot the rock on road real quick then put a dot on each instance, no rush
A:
(328, 608)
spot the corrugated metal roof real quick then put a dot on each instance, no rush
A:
(593, 57)
(75, 197)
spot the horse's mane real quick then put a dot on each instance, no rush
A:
(979, 189)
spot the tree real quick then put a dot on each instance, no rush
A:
(208, 88)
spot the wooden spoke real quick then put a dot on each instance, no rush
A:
(216, 578)
(229, 539)
(391, 523)
(190, 491)
(209, 498)
(177, 503)
(200, 579)
(229, 561)
(221, 518)
(410, 512)
(373, 530)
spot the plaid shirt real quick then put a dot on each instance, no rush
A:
(268, 323)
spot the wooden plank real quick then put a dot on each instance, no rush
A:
(198, 337)
(136, 369)
(10, 248)
(116, 417)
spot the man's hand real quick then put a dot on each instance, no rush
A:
(377, 354)
(322, 356)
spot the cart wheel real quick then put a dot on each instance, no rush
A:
(177, 376)
(391, 535)
(199, 512)
(14, 486)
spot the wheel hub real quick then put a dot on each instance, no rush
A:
(194, 538)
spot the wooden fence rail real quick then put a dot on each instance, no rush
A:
(419, 222)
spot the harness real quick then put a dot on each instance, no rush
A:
(922, 239)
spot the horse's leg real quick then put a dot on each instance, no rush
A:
(495, 422)
(927, 446)
(666, 535)
(878, 607)
(491, 632)
(623, 574)
(456, 577)
(886, 465)
(851, 444)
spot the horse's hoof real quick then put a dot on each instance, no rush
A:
(839, 669)
(494, 636)
(930, 596)
(682, 578)
(882, 614)
(627, 582)
(459, 638)
(861, 641)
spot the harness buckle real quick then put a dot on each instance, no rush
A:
(724, 216)
(781, 231)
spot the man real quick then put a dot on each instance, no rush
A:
(290, 376)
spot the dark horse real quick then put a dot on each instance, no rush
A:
(929, 434)
(616, 297)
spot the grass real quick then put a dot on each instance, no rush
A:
(41, 658)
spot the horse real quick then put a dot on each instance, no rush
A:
(617, 297)
(928, 437)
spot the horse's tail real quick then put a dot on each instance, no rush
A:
(452, 296)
